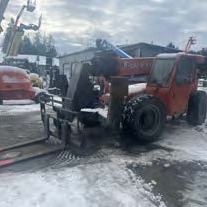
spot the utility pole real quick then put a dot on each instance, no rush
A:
(191, 41)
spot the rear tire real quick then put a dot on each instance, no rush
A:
(197, 108)
(146, 117)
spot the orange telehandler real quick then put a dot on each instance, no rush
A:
(138, 108)
(141, 109)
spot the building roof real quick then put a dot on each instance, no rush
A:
(143, 44)
(33, 59)
(90, 49)
(125, 48)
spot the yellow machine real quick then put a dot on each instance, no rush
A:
(36, 80)
(15, 39)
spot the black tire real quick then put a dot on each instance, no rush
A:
(197, 108)
(1, 101)
(41, 97)
(145, 116)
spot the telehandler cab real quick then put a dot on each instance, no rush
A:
(171, 91)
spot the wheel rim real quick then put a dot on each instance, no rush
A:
(149, 120)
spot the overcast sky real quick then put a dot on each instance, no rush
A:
(76, 24)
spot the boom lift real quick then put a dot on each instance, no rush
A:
(18, 31)
(137, 69)
(105, 45)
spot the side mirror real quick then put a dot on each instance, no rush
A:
(31, 5)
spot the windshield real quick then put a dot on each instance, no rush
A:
(162, 71)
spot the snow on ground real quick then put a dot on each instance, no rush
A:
(11, 107)
(109, 183)
(178, 143)
(101, 184)
(189, 144)
(196, 191)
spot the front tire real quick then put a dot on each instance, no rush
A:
(146, 117)
(197, 108)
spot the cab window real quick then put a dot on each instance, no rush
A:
(185, 71)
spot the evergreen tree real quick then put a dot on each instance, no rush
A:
(203, 52)
(40, 45)
(27, 47)
(171, 45)
(51, 50)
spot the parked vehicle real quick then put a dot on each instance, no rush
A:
(15, 84)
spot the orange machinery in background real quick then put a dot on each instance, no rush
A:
(15, 84)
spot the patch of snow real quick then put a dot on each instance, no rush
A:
(201, 82)
(153, 182)
(182, 143)
(202, 89)
(102, 112)
(170, 55)
(97, 87)
(109, 183)
(188, 143)
(136, 88)
(5, 68)
(101, 184)
(39, 90)
(13, 79)
(56, 62)
(34, 75)
(18, 102)
(13, 107)
(166, 165)
(54, 88)
(33, 59)
(195, 193)
(178, 143)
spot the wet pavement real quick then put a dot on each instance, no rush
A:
(166, 169)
